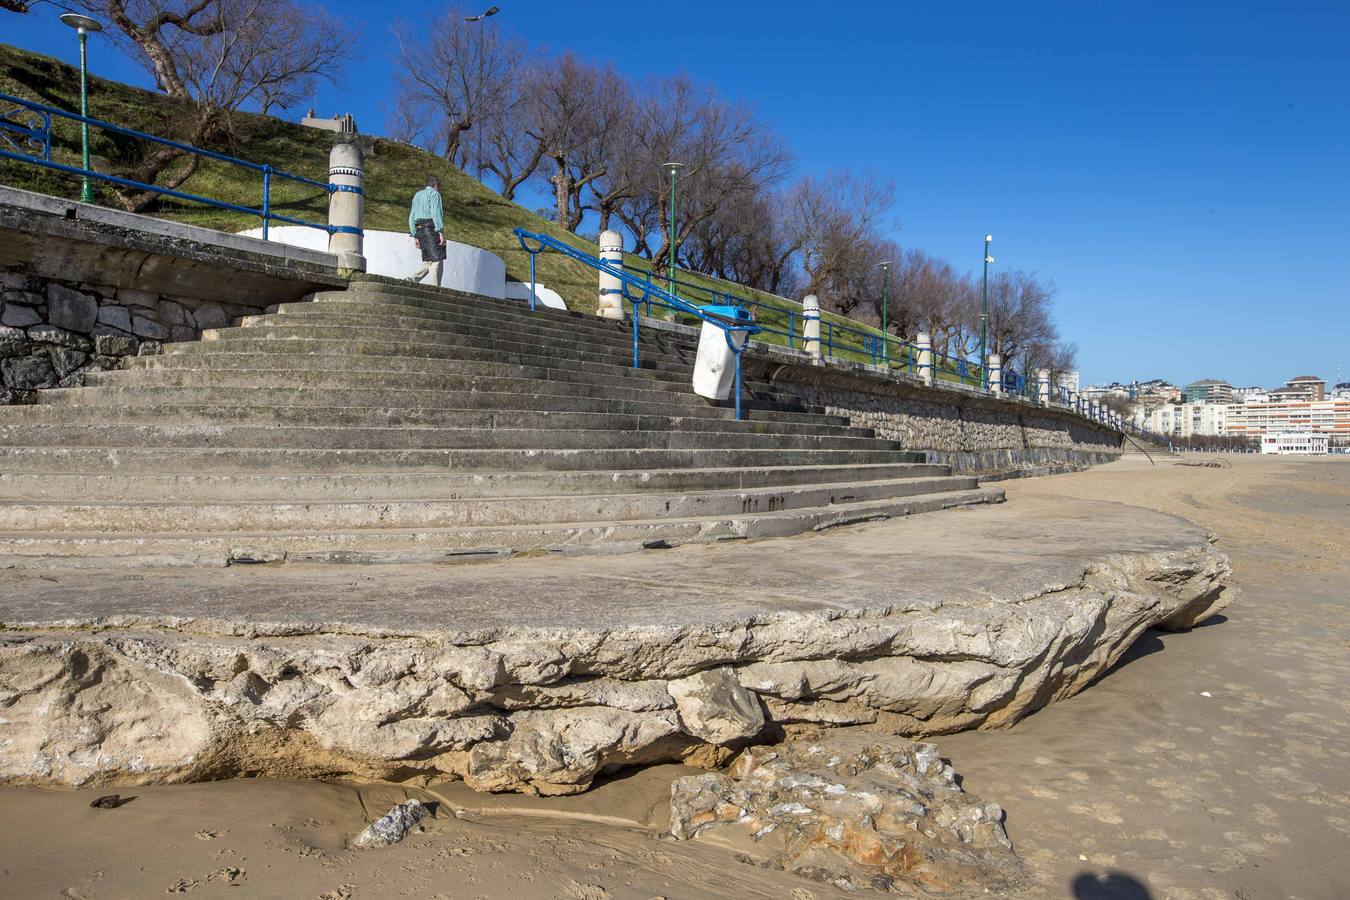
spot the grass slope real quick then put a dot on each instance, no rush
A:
(394, 172)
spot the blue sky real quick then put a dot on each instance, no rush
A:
(1180, 170)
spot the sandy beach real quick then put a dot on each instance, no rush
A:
(1208, 764)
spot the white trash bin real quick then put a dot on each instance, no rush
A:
(715, 364)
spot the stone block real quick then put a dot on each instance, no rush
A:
(27, 298)
(150, 348)
(13, 342)
(66, 361)
(118, 317)
(182, 333)
(28, 373)
(19, 316)
(211, 315)
(171, 313)
(130, 297)
(148, 328)
(50, 334)
(70, 309)
(16, 281)
(108, 341)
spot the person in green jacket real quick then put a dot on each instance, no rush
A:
(426, 227)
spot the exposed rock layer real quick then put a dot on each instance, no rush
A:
(852, 810)
(547, 709)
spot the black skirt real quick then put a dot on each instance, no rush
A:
(428, 241)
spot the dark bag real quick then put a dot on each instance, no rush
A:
(428, 241)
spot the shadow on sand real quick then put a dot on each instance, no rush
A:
(1110, 886)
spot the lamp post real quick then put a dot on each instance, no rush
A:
(673, 168)
(984, 316)
(478, 132)
(885, 266)
(83, 25)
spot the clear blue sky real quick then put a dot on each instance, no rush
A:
(1181, 170)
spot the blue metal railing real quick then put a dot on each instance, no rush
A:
(837, 340)
(652, 294)
(29, 124)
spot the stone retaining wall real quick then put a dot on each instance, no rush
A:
(52, 332)
(973, 433)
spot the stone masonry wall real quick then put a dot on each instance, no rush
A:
(972, 433)
(52, 332)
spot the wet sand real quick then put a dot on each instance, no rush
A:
(1211, 764)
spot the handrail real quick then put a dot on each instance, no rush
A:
(879, 349)
(43, 134)
(651, 293)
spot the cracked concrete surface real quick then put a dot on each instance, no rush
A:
(538, 675)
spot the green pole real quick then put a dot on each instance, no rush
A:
(86, 190)
(984, 318)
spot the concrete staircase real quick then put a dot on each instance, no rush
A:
(1135, 445)
(395, 423)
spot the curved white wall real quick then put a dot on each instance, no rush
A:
(394, 254)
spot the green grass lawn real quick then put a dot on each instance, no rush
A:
(394, 172)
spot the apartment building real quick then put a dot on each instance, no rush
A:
(1209, 390)
(1328, 417)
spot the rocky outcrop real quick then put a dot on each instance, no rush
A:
(128, 699)
(852, 810)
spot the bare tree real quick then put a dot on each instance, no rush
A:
(454, 75)
(1020, 325)
(834, 222)
(219, 56)
(571, 107)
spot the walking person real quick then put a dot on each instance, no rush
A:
(426, 227)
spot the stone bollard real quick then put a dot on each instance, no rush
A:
(1043, 386)
(811, 327)
(611, 288)
(1096, 411)
(346, 201)
(995, 374)
(924, 341)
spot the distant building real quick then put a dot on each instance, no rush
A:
(1296, 442)
(1251, 395)
(1326, 417)
(1304, 387)
(1102, 391)
(1209, 390)
(1185, 420)
(1341, 391)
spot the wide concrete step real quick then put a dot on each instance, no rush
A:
(457, 307)
(301, 345)
(162, 516)
(115, 394)
(459, 543)
(430, 417)
(298, 378)
(98, 434)
(274, 458)
(92, 487)
(479, 323)
(412, 369)
(499, 347)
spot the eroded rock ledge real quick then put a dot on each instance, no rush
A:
(135, 698)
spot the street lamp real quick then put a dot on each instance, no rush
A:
(673, 169)
(984, 316)
(83, 25)
(885, 266)
(478, 132)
